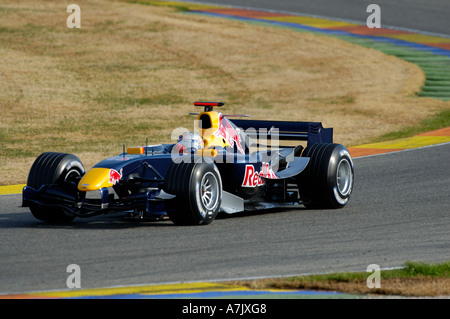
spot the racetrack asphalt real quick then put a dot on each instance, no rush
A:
(398, 212)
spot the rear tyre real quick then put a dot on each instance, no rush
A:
(61, 169)
(198, 190)
(327, 181)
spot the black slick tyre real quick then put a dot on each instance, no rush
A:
(58, 169)
(198, 190)
(327, 181)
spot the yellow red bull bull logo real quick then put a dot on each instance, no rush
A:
(115, 176)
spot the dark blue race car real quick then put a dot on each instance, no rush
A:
(226, 165)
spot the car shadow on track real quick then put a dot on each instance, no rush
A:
(24, 219)
(114, 221)
(252, 213)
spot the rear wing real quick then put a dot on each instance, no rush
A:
(312, 132)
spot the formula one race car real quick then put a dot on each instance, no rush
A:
(223, 166)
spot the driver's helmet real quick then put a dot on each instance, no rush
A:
(189, 143)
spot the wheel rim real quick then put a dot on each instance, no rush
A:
(72, 175)
(209, 193)
(344, 177)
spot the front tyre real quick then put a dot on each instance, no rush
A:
(59, 169)
(198, 190)
(328, 180)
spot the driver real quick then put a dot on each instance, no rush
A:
(189, 143)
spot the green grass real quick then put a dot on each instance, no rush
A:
(409, 270)
(441, 120)
(413, 269)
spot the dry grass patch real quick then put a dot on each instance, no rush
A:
(424, 286)
(133, 71)
(414, 279)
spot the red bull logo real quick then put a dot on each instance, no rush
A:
(115, 176)
(267, 172)
(229, 133)
(253, 178)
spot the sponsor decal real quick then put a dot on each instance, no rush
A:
(229, 133)
(115, 176)
(253, 178)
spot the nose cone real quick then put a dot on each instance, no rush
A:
(95, 179)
